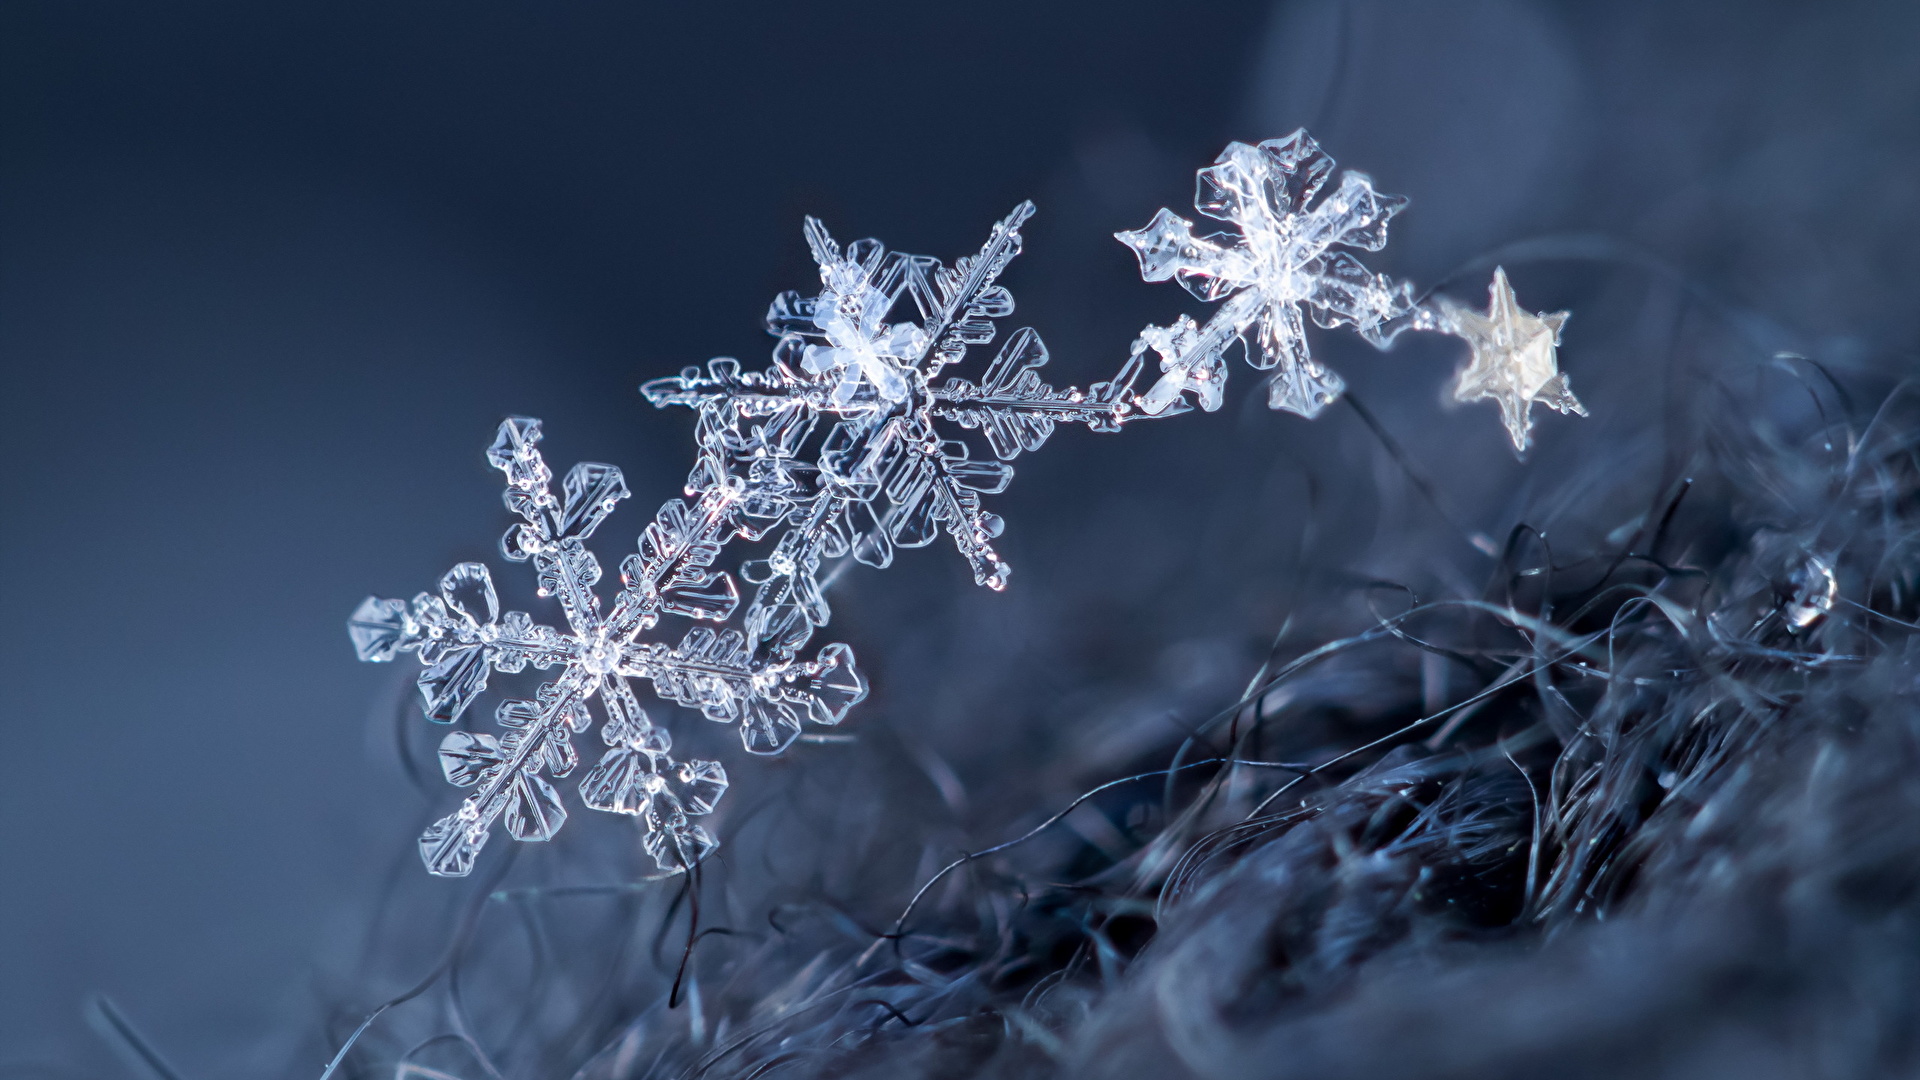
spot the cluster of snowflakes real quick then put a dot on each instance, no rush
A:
(840, 449)
(1286, 255)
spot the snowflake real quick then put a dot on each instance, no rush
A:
(837, 447)
(1512, 360)
(1282, 258)
(865, 362)
(461, 637)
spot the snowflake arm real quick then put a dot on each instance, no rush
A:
(1281, 260)
(716, 673)
(1017, 411)
(959, 305)
(672, 572)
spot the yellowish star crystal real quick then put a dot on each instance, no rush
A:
(1513, 359)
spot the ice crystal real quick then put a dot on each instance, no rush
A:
(1512, 360)
(837, 449)
(1283, 257)
(847, 447)
(461, 637)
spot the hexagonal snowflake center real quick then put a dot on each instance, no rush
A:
(600, 656)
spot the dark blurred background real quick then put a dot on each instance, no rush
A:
(270, 275)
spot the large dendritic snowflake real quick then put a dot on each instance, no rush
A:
(461, 637)
(838, 445)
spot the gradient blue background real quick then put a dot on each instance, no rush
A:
(271, 273)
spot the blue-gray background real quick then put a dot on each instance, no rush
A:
(271, 273)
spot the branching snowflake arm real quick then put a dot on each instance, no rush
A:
(1017, 411)
(751, 430)
(1281, 259)
(671, 573)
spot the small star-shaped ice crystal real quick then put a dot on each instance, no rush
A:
(867, 360)
(1513, 359)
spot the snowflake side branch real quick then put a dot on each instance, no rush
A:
(966, 298)
(1017, 411)
(509, 785)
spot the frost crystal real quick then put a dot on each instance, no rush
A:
(1282, 258)
(1513, 358)
(837, 447)
(461, 637)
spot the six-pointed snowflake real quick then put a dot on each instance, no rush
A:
(461, 637)
(1282, 258)
(837, 447)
